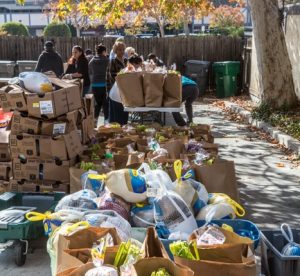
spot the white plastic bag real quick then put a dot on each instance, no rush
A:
(93, 181)
(142, 216)
(35, 82)
(128, 184)
(216, 211)
(102, 271)
(109, 219)
(84, 199)
(193, 192)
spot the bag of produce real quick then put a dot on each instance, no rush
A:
(109, 219)
(193, 193)
(102, 271)
(128, 184)
(142, 216)
(84, 199)
(93, 181)
(35, 82)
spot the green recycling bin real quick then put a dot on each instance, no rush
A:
(226, 77)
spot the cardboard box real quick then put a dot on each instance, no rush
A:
(50, 105)
(4, 145)
(89, 105)
(38, 186)
(5, 170)
(87, 129)
(21, 123)
(63, 147)
(4, 186)
(12, 97)
(38, 170)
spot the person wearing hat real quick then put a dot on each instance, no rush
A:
(50, 60)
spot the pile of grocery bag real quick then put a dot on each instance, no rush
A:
(151, 200)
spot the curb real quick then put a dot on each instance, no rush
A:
(281, 137)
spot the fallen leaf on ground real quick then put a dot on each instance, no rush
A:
(280, 165)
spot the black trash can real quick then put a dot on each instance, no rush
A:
(26, 65)
(197, 70)
(7, 69)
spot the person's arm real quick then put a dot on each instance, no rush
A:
(109, 79)
(91, 71)
(60, 67)
(39, 64)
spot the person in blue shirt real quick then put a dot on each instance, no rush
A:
(190, 92)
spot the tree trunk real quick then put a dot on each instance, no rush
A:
(186, 27)
(161, 29)
(274, 77)
(77, 31)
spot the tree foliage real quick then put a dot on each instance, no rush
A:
(15, 28)
(56, 29)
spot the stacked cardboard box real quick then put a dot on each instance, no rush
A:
(47, 134)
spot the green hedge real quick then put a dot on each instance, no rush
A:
(55, 29)
(15, 28)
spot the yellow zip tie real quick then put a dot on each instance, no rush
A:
(35, 216)
(227, 227)
(97, 176)
(178, 169)
(77, 225)
(238, 209)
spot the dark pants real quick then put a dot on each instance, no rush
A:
(189, 94)
(101, 101)
(117, 113)
(86, 90)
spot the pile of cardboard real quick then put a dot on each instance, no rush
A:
(46, 135)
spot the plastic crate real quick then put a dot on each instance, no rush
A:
(273, 262)
(242, 227)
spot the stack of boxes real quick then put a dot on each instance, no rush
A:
(47, 134)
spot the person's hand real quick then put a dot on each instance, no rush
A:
(76, 75)
(67, 76)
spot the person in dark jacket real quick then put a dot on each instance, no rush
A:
(50, 60)
(190, 93)
(78, 67)
(97, 69)
(116, 109)
(155, 59)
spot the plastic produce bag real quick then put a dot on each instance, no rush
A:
(128, 184)
(193, 192)
(93, 181)
(83, 199)
(221, 210)
(35, 82)
(102, 271)
(142, 216)
(109, 219)
(172, 214)
(292, 248)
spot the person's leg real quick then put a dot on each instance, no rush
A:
(86, 90)
(121, 116)
(98, 100)
(178, 119)
(105, 105)
(111, 117)
(190, 94)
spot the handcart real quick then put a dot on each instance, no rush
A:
(15, 230)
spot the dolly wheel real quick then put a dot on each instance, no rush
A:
(20, 253)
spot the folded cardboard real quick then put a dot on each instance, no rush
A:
(49, 105)
(88, 104)
(4, 186)
(5, 170)
(21, 123)
(36, 169)
(12, 97)
(39, 186)
(4, 145)
(62, 147)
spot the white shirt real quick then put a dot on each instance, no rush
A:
(114, 93)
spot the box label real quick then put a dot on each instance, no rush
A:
(46, 107)
(35, 105)
(59, 128)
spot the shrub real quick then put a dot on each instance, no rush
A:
(15, 28)
(56, 29)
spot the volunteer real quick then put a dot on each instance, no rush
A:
(190, 93)
(155, 59)
(112, 54)
(97, 69)
(50, 60)
(89, 54)
(136, 62)
(129, 51)
(78, 67)
(116, 109)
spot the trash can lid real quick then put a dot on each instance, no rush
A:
(7, 62)
(26, 61)
(193, 61)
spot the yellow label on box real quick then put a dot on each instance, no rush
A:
(36, 105)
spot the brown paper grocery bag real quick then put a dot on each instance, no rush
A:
(215, 268)
(153, 89)
(145, 267)
(81, 239)
(142, 145)
(174, 148)
(131, 89)
(120, 160)
(152, 246)
(75, 183)
(219, 178)
(172, 90)
(79, 270)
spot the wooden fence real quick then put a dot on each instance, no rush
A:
(170, 49)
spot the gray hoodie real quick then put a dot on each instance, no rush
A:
(97, 69)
